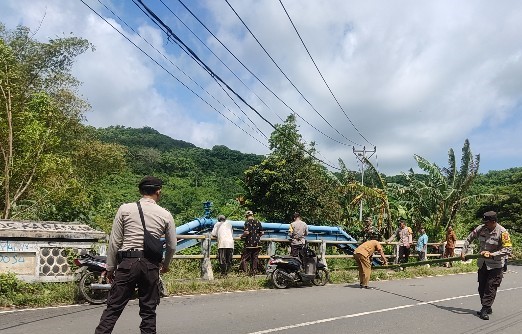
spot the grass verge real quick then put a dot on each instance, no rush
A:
(17, 294)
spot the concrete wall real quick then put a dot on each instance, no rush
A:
(37, 251)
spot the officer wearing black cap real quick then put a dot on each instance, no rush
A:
(134, 269)
(495, 246)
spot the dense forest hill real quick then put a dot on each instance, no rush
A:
(146, 136)
(150, 151)
(192, 175)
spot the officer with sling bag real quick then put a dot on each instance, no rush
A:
(135, 242)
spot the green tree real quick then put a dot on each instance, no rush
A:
(39, 111)
(290, 180)
(434, 200)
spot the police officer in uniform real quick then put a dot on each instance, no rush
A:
(495, 245)
(297, 231)
(126, 245)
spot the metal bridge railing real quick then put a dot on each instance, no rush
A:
(206, 242)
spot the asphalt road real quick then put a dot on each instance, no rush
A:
(423, 305)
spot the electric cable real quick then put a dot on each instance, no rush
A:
(170, 73)
(162, 29)
(322, 77)
(260, 81)
(284, 74)
(221, 61)
(187, 49)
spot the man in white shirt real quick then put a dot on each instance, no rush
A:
(224, 233)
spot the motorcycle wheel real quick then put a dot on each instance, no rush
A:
(279, 279)
(322, 276)
(93, 296)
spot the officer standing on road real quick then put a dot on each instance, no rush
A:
(126, 244)
(495, 245)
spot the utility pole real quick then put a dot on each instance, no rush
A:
(361, 156)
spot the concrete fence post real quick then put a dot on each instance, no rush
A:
(396, 254)
(322, 250)
(206, 265)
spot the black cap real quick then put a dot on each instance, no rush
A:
(489, 216)
(150, 182)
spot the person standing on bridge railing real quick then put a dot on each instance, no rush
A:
(495, 246)
(363, 256)
(224, 233)
(297, 232)
(252, 233)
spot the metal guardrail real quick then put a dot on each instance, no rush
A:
(278, 240)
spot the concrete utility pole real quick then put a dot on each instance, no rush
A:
(361, 156)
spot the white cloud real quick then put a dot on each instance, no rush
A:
(414, 77)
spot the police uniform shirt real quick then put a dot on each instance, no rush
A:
(497, 242)
(297, 230)
(127, 230)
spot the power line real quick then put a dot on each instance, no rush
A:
(322, 77)
(194, 56)
(221, 61)
(258, 79)
(284, 74)
(162, 29)
(170, 73)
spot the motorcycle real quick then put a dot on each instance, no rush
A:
(92, 281)
(284, 271)
(91, 276)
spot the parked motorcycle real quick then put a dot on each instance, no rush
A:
(93, 283)
(284, 271)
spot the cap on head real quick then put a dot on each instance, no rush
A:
(249, 213)
(490, 216)
(221, 218)
(149, 182)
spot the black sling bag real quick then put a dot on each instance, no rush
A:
(152, 246)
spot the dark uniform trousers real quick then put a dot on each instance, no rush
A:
(133, 272)
(489, 281)
(404, 254)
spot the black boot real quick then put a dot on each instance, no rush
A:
(483, 314)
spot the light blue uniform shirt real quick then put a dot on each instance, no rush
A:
(422, 243)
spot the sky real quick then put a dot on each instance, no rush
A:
(400, 77)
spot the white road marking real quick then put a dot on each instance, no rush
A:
(354, 315)
(41, 308)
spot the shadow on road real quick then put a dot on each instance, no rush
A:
(22, 323)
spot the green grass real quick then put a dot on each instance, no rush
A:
(16, 293)
(184, 280)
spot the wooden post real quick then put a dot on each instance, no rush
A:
(206, 265)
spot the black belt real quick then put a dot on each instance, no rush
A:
(131, 254)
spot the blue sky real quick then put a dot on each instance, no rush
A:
(414, 77)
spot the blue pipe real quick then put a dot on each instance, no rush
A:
(272, 230)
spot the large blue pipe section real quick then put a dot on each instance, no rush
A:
(271, 230)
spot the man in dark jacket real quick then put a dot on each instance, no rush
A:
(252, 233)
